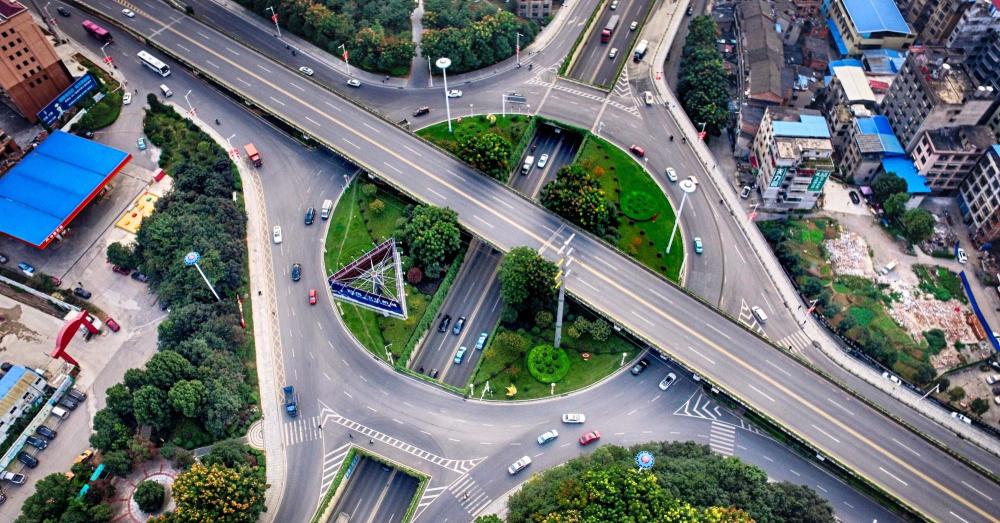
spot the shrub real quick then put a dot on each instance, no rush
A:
(376, 207)
(935, 340)
(149, 496)
(369, 189)
(543, 319)
(956, 394)
(414, 275)
(548, 364)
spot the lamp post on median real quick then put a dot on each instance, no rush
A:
(561, 276)
(443, 64)
(343, 47)
(688, 187)
(191, 107)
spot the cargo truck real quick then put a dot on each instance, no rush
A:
(291, 403)
(253, 155)
(609, 29)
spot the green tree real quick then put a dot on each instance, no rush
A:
(895, 205)
(431, 236)
(543, 319)
(188, 397)
(376, 207)
(577, 196)
(221, 409)
(488, 152)
(230, 453)
(509, 345)
(151, 407)
(527, 281)
(219, 493)
(956, 394)
(887, 185)
(123, 256)
(119, 400)
(935, 340)
(118, 463)
(917, 224)
(49, 501)
(979, 406)
(109, 431)
(798, 504)
(600, 330)
(488, 518)
(149, 496)
(168, 367)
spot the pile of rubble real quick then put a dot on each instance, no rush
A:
(848, 253)
(918, 314)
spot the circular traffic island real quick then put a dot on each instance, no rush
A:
(548, 364)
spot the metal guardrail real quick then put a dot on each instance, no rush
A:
(55, 301)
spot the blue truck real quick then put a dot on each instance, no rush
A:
(291, 403)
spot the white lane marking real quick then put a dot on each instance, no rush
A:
(449, 171)
(501, 202)
(348, 394)
(723, 334)
(275, 100)
(643, 318)
(352, 143)
(414, 152)
(327, 376)
(843, 408)
(363, 379)
(762, 295)
(825, 433)
(767, 458)
(762, 393)
(488, 224)
(485, 442)
(397, 421)
(246, 83)
(821, 488)
(426, 433)
(439, 195)
(895, 477)
(370, 127)
(342, 360)
(203, 35)
(848, 504)
(232, 51)
(660, 296)
(619, 433)
(334, 107)
(297, 86)
(911, 450)
(960, 518)
(589, 285)
(781, 370)
(740, 253)
(539, 454)
(371, 409)
(793, 472)
(631, 412)
(393, 167)
(696, 351)
(974, 489)
(213, 64)
(455, 440)
(608, 265)
(314, 122)
(266, 70)
(184, 48)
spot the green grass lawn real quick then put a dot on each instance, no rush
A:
(581, 373)
(511, 128)
(940, 282)
(645, 241)
(353, 233)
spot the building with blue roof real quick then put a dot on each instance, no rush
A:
(869, 141)
(52, 184)
(792, 154)
(19, 389)
(857, 25)
(979, 197)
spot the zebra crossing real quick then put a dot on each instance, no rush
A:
(429, 496)
(470, 495)
(301, 430)
(722, 438)
(460, 466)
(797, 342)
(331, 465)
(633, 110)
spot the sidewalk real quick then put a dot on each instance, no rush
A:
(825, 341)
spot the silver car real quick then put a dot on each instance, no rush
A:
(667, 381)
(519, 465)
(546, 437)
(573, 418)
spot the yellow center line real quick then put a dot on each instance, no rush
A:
(598, 274)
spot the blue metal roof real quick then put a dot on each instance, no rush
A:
(904, 168)
(846, 62)
(8, 380)
(996, 150)
(884, 60)
(837, 38)
(49, 186)
(808, 126)
(874, 16)
(879, 125)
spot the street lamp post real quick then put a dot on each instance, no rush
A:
(107, 59)
(274, 18)
(443, 64)
(561, 281)
(688, 187)
(517, 48)
(192, 259)
(343, 47)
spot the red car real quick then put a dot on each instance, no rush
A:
(638, 151)
(590, 437)
(121, 270)
(112, 324)
(312, 296)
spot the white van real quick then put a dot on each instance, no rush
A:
(759, 313)
(648, 97)
(325, 210)
(166, 91)
(528, 162)
(60, 412)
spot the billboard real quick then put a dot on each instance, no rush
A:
(777, 177)
(373, 281)
(67, 99)
(818, 179)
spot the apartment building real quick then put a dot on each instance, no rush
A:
(792, 154)
(931, 93)
(946, 156)
(979, 18)
(534, 9)
(31, 74)
(869, 141)
(857, 25)
(848, 96)
(979, 197)
(767, 82)
(19, 389)
(984, 63)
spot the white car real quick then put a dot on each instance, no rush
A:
(126, 98)
(277, 234)
(633, 25)
(306, 71)
(614, 4)
(693, 180)
(519, 465)
(890, 377)
(745, 193)
(961, 256)
(546, 437)
(759, 313)
(129, 13)
(542, 160)
(354, 82)
(961, 417)
(667, 381)
(613, 53)
(455, 93)
(573, 418)
(671, 174)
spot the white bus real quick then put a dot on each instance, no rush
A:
(153, 63)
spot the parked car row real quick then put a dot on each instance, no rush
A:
(44, 435)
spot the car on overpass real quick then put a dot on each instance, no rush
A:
(354, 82)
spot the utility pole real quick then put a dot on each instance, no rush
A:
(561, 282)
(517, 48)
(688, 187)
(443, 64)
(343, 48)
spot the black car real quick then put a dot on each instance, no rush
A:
(296, 272)
(69, 403)
(310, 215)
(458, 326)
(77, 395)
(640, 366)
(46, 432)
(443, 326)
(434, 374)
(83, 293)
(62, 11)
(38, 443)
(28, 460)
(421, 111)
(854, 197)
(138, 276)
(5, 366)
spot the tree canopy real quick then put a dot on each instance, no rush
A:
(488, 152)
(527, 281)
(917, 224)
(480, 43)
(431, 237)
(703, 82)
(576, 195)
(887, 185)
(218, 493)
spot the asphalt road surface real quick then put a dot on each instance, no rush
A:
(594, 65)
(561, 147)
(891, 456)
(376, 493)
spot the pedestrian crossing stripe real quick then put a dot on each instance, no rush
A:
(332, 462)
(633, 110)
(470, 495)
(722, 438)
(796, 342)
(300, 431)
